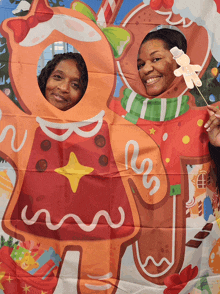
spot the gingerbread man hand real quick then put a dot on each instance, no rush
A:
(186, 69)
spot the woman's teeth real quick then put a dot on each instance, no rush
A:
(152, 80)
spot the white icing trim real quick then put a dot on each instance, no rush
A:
(122, 75)
(72, 127)
(98, 288)
(100, 278)
(140, 170)
(4, 133)
(170, 13)
(133, 13)
(83, 227)
(150, 258)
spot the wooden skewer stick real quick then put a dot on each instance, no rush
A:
(201, 95)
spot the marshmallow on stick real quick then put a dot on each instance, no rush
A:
(187, 70)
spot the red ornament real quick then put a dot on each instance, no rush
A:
(157, 4)
(168, 3)
(218, 5)
(176, 282)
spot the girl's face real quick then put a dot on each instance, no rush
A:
(63, 88)
(156, 66)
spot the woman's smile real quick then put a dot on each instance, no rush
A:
(58, 97)
(151, 81)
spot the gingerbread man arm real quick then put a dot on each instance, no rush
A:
(141, 161)
(15, 138)
(196, 67)
(178, 72)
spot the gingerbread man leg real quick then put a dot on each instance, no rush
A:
(189, 82)
(159, 250)
(99, 267)
(196, 80)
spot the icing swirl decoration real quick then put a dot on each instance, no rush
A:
(84, 227)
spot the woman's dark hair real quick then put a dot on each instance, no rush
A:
(50, 66)
(170, 37)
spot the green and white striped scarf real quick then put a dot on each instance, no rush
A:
(156, 109)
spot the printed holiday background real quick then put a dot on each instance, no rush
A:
(147, 220)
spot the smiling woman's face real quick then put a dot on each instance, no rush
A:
(63, 88)
(156, 66)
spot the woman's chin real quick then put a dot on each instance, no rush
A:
(153, 94)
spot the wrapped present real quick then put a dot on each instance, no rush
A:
(18, 253)
(25, 255)
(13, 279)
(48, 261)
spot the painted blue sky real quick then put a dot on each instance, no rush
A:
(6, 8)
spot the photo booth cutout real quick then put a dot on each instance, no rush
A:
(62, 75)
(82, 34)
(139, 22)
(89, 121)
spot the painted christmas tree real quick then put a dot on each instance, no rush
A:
(5, 85)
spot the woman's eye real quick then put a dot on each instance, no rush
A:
(56, 76)
(75, 86)
(140, 66)
(156, 59)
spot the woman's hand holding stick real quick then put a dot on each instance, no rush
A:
(213, 125)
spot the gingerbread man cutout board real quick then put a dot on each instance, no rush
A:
(95, 180)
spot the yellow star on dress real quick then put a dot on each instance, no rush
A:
(9, 279)
(74, 171)
(26, 288)
(152, 131)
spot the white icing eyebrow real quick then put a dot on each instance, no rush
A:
(69, 26)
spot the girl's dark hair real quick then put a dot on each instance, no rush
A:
(170, 37)
(50, 66)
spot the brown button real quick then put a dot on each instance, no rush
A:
(100, 141)
(103, 160)
(41, 165)
(45, 145)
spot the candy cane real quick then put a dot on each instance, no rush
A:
(108, 12)
(200, 236)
